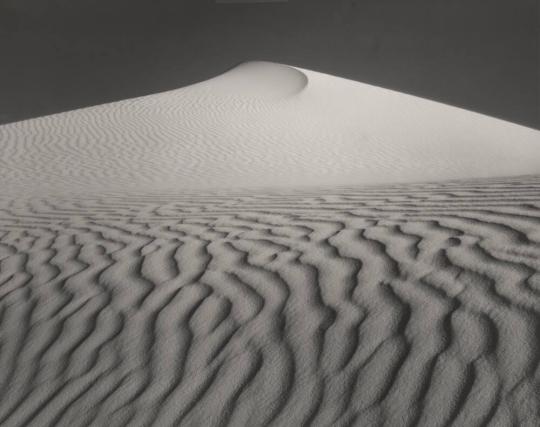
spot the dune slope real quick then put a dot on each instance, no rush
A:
(261, 124)
(143, 282)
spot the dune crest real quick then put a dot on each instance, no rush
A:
(265, 81)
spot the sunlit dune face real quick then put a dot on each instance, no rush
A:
(262, 124)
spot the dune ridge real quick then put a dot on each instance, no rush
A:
(330, 307)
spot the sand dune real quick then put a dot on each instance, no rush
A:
(136, 290)
(261, 124)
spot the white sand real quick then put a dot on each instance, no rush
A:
(261, 124)
(146, 278)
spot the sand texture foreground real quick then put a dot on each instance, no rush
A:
(250, 251)
(411, 305)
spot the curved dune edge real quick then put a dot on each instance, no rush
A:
(402, 305)
(259, 125)
(261, 80)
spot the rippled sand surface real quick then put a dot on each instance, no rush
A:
(174, 260)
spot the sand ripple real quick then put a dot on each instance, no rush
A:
(403, 305)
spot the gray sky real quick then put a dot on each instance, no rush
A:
(63, 54)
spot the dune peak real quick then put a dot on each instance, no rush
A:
(260, 79)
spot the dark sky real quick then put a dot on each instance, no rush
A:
(57, 55)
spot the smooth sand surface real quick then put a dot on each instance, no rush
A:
(214, 256)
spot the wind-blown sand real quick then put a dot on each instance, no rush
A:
(215, 256)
